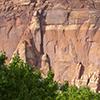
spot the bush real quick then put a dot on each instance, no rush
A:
(18, 81)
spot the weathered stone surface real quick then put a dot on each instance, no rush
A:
(45, 65)
(68, 31)
(22, 2)
(60, 18)
(93, 54)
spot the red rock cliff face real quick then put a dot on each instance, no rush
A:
(68, 31)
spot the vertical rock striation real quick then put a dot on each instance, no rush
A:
(68, 31)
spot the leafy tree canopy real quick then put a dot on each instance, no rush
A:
(18, 81)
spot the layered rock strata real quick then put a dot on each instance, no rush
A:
(68, 31)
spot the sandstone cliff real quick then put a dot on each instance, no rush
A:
(68, 31)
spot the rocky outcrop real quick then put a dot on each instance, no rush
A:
(68, 31)
(45, 65)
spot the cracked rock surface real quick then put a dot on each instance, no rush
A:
(68, 31)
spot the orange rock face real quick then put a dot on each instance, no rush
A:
(68, 31)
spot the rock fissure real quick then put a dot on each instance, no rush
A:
(56, 35)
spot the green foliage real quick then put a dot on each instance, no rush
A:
(18, 81)
(62, 93)
(2, 58)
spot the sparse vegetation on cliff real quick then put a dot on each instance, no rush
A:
(19, 82)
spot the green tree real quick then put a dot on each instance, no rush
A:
(18, 81)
